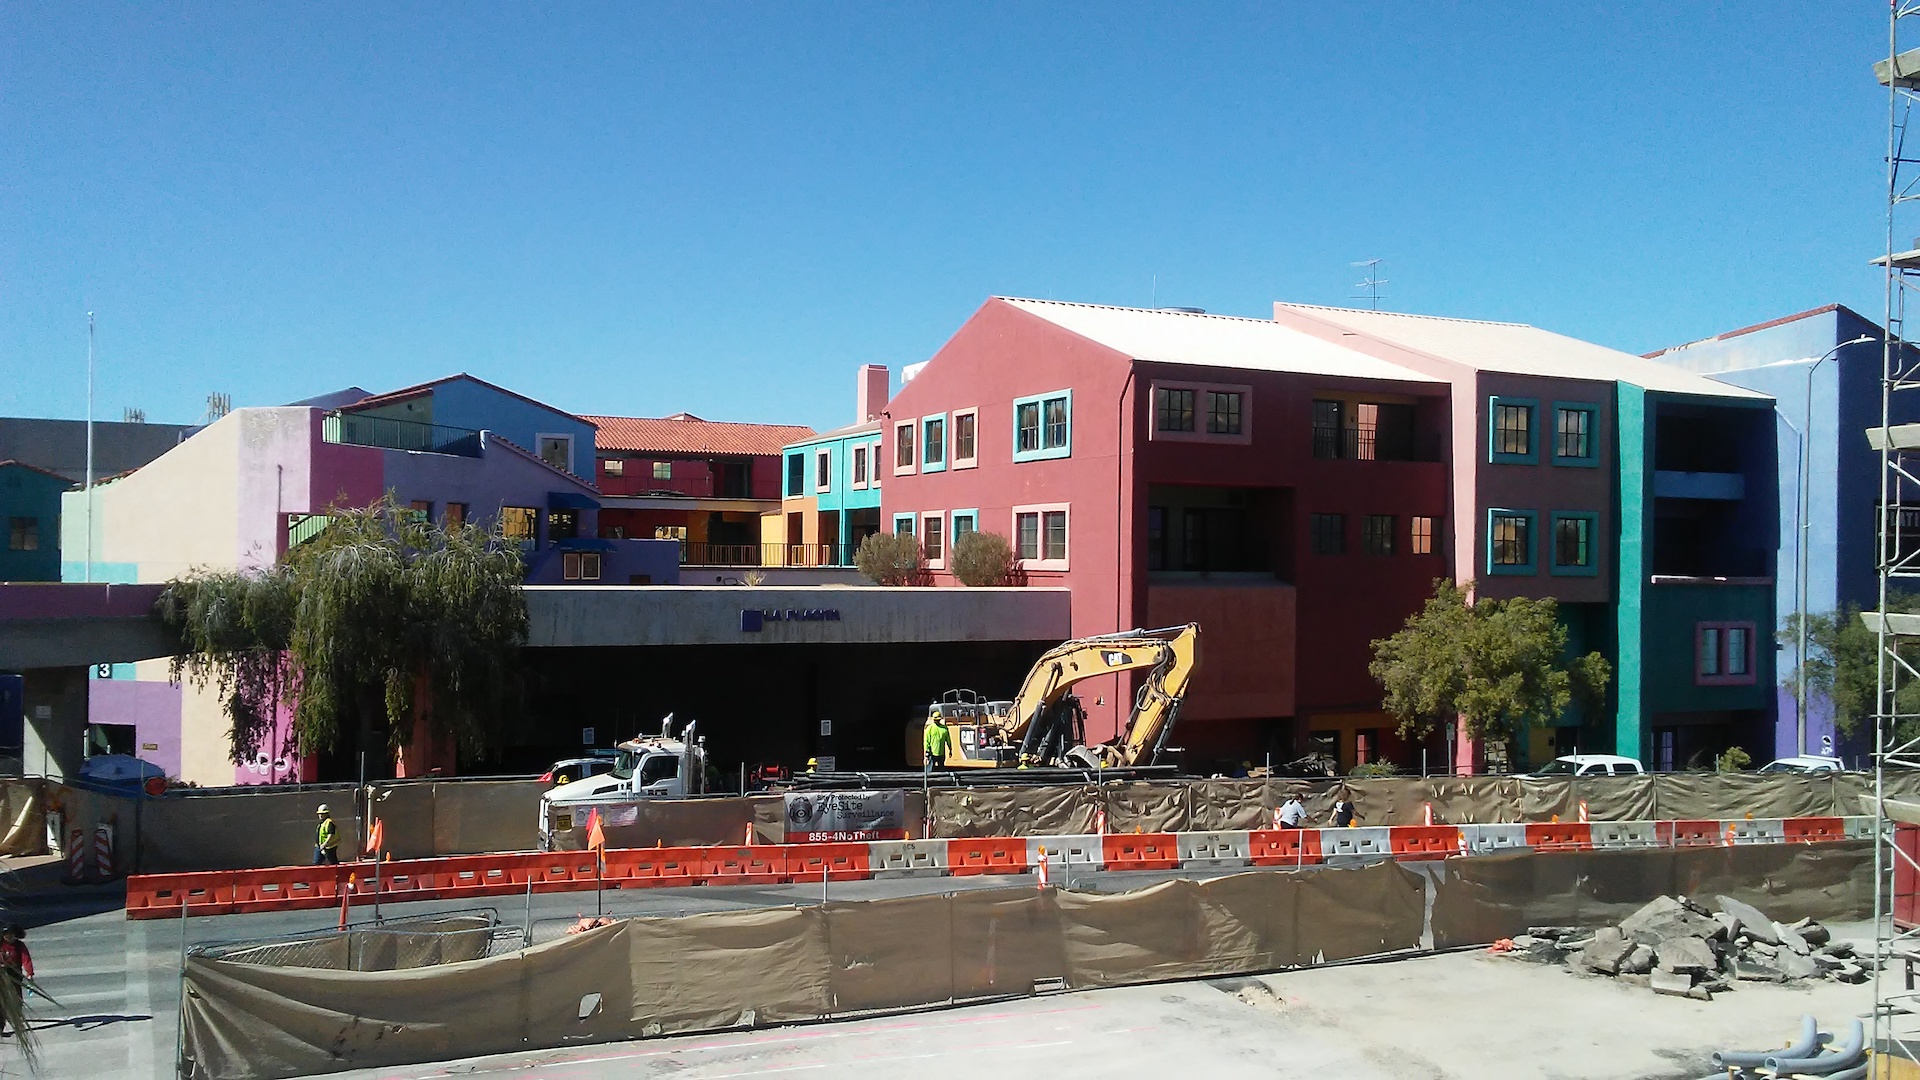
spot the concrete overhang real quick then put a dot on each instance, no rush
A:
(573, 616)
(70, 624)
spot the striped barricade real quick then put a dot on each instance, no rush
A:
(987, 855)
(1201, 850)
(1815, 830)
(1079, 852)
(1357, 841)
(1284, 847)
(1141, 851)
(1625, 834)
(1494, 838)
(1424, 841)
(907, 858)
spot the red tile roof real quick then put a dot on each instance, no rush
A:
(686, 434)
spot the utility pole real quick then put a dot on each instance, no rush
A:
(89, 487)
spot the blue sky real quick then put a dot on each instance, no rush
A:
(725, 208)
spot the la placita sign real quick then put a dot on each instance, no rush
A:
(753, 619)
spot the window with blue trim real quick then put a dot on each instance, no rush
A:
(903, 524)
(1510, 541)
(1043, 426)
(1576, 433)
(964, 522)
(1510, 430)
(1576, 539)
(933, 444)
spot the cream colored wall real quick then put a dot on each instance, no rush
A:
(174, 514)
(203, 737)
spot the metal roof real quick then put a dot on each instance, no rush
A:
(692, 436)
(1517, 349)
(1223, 341)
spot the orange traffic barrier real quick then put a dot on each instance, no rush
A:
(640, 868)
(763, 865)
(563, 871)
(987, 855)
(839, 862)
(1560, 836)
(1284, 847)
(1141, 851)
(1697, 834)
(161, 896)
(1424, 841)
(397, 882)
(287, 888)
(481, 875)
(1815, 830)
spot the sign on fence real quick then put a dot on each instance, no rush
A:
(832, 817)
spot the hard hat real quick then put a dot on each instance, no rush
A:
(323, 809)
(811, 762)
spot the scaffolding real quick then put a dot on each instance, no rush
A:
(1896, 1009)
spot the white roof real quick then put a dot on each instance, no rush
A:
(1518, 349)
(1223, 341)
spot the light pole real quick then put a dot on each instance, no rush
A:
(1803, 523)
(89, 486)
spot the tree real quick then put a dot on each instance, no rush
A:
(1499, 665)
(381, 623)
(1841, 665)
(982, 559)
(889, 558)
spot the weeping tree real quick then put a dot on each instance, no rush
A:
(381, 623)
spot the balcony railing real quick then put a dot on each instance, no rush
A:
(1372, 444)
(704, 554)
(359, 429)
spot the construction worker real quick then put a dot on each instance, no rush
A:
(16, 967)
(1293, 813)
(326, 838)
(935, 740)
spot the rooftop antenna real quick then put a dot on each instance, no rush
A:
(89, 487)
(218, 405)
(1371, 283)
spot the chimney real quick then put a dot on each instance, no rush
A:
(871, 391)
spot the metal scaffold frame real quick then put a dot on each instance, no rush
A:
(1896, 1010)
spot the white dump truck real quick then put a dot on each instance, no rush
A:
(663, 766)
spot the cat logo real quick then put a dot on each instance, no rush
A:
(1116, 659)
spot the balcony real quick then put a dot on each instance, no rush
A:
(1372, 444)
(764, 555)
(358, 429)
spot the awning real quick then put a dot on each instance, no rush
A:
(570, 500)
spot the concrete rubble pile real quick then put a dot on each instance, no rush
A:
(1679, 947)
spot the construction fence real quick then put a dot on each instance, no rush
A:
(269, 826)
(651, 977)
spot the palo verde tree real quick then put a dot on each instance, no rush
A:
(379, 620)
(1499, 665)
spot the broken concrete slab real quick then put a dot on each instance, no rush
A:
(1838, 948)
(1637, 980)
(1750, 971)
(1670, 983)
(1791, 938)
(1700, 993)
(1687, 956)
(1638, 962)
(1815, 934)
(1608, 951)
(1554, 932)
(1795, 966)
(1851, 973)
(1664, 917)
(1827, 963)
(1751, 919)
(1729, 926)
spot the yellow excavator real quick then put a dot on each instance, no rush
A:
(1045, 726)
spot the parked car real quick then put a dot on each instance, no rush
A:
(579, 768)
(1589, 765)
(1804, 763)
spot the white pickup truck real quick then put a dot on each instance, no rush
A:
(662, 766)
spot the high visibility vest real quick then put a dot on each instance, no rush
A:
(936, 742)
(323, 837)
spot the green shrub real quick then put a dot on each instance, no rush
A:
(1733, 760)
(1376, 769)
(888, 559)
(982, 559)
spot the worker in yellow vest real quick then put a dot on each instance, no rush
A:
(326, 838)
(935, 742)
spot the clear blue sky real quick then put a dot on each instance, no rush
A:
(725, 208)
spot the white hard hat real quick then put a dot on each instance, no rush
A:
(323, 809)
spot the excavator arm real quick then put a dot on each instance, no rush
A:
(1168, 655)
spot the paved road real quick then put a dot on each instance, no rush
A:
(118, 988)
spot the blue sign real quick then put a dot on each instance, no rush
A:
(753, 619)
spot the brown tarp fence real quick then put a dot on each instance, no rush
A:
(645, 977)
(23, 816)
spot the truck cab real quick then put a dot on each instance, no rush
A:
(659, 766)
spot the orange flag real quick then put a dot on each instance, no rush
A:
(596, 836)
(376, 838)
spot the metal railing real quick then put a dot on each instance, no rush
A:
(693, 553)
(1372, 444)
(359, 429)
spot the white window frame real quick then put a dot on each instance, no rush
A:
(566, 436)
(954, 460)
(1043, 509)
(822, 456)
(616, 466)
(857, 467)
(873, 472)
(1201, 410)
(654, 467)
(912, 426)
(946, 538)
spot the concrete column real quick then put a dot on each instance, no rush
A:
(56, 720)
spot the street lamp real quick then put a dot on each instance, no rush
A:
(1803, 524)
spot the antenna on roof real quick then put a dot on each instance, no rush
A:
(218, 405)
(1371, 284)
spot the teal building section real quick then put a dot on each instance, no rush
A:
(1630, 413)
(854, 501)
(30, 514)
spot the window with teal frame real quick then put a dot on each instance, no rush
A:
(1513, 430)
(1576, 434)
(1511, 541)
(1575, 543)
(1043, 426)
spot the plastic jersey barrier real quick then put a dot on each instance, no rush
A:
(1284, 847)
(987, 855)
(1141, 851)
